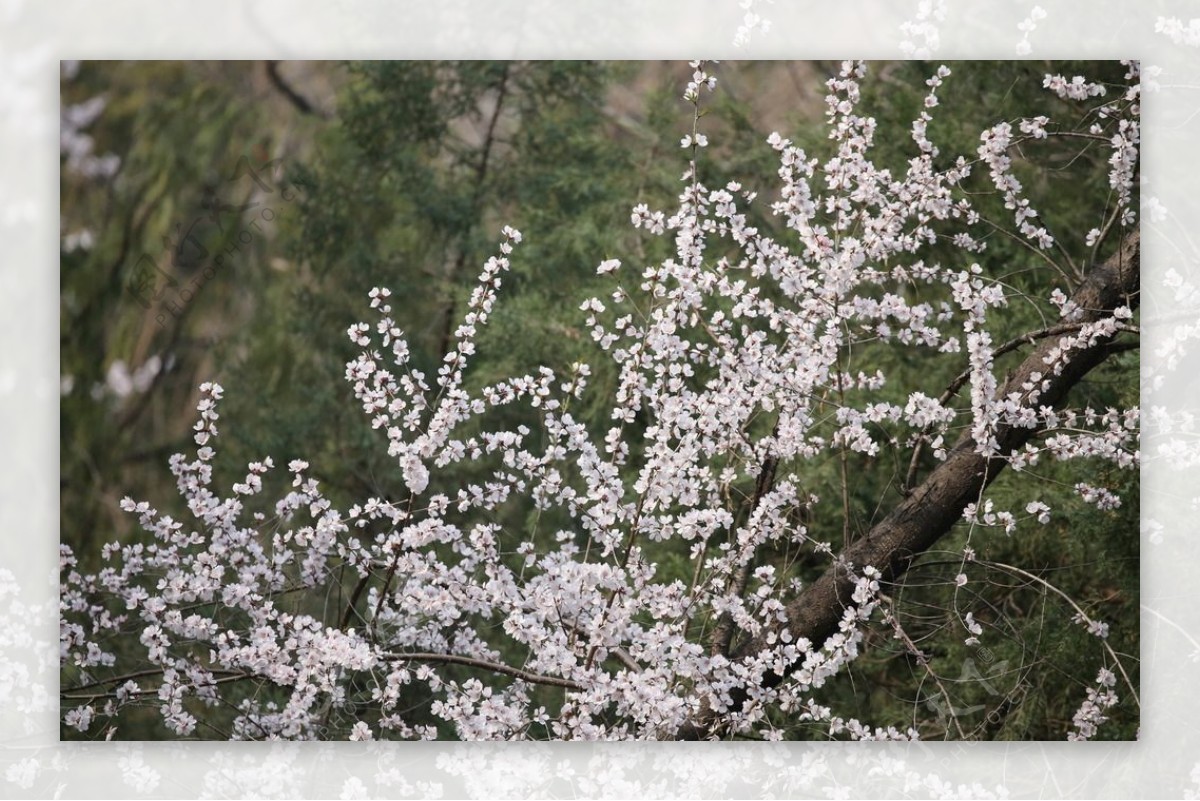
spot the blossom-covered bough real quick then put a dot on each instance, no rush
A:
(737, 362)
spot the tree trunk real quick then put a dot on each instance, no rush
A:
(932, 509)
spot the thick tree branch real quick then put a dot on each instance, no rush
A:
(928, 514)
(1025, 339)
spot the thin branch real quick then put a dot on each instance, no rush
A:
(495, 667)
(481, 172)
(922, 660)
(1020, 240)
(354, 596)
(621, 654)
(295, 98)
(1083, 615)
(723, 634)
(226, 677)
(141, 674)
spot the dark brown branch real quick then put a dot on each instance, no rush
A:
(354, 596)
(494, 667)
(929, 513)
(723, 635)
(295, 98)
(449, 315)
(141, 674)
(225, 676)
(1025, 339)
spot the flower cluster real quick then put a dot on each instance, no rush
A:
(734, 361)
(993, 151)
(1091, 713)
(1078, 88)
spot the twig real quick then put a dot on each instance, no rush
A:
(295, 98)
(922, 660)
(495, 667)
(1083, 615)
(723, 635)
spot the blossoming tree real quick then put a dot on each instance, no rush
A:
(682, 591)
